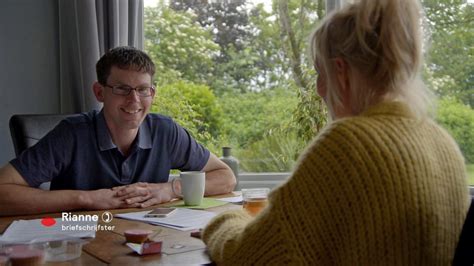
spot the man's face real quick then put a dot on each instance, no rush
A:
(124, 112)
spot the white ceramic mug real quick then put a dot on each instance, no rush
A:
(192, 187)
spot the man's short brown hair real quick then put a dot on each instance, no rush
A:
(124, 57)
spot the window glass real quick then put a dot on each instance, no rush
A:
(236, 73)
(449, 69)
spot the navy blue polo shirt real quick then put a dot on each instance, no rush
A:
(79, 154)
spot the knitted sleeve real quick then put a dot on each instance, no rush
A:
(236, 238)
(299, 224)
(288, 229)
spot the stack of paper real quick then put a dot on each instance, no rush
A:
(237, 199)
(181, 219)
(33, 231)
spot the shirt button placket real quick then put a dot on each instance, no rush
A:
(125, 171)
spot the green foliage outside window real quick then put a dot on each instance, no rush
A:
(180, 48)
(249, 116)
(451, 51)
(237, 74)
(458, 119)
(193, 106)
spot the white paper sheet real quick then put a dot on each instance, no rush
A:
(32, 231)
(237, 199)
(182, 219)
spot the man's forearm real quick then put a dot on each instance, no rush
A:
(220, 181)
(20, 200)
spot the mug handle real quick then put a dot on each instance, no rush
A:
(172, 187)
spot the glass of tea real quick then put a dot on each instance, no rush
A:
(255, 199)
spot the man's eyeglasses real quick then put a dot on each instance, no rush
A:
(125, 90)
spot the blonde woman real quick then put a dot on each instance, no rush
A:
(382, 183)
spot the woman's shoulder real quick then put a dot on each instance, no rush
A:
(348, 128)
(358, 135)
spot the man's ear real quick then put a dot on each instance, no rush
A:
(98, 91)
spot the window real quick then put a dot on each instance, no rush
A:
(235, 73)
(449, 70)
(224, 73)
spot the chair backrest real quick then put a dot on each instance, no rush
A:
(465, 250)
(26, 130)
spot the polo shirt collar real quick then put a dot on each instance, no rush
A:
(105, 140)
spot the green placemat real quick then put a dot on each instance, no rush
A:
(205, 204)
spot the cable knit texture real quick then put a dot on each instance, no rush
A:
(381, 188)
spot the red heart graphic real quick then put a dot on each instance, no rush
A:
(48, 221)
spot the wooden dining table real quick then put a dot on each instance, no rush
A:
(108, 247)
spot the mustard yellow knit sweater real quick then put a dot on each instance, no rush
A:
(378, 189)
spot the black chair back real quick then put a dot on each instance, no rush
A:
(465, 250)
(26, 130)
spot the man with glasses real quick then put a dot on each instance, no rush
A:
(119, 157)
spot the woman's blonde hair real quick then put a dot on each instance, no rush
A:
(381, 42)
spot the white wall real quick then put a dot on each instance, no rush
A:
(29, 56)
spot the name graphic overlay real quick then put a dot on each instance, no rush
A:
(82, 222)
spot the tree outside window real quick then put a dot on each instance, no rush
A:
(236, 73)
